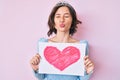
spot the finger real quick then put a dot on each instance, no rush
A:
(32, 61)
(86, 57)
(37, 61)
(86, 60)
(38, 56)
(90, 65)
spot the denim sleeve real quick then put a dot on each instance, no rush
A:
(38, 75)
(86, 76)
(41, 40)
(87, 46)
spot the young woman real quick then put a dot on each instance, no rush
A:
(63, 23)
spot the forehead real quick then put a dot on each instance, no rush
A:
(63, 9)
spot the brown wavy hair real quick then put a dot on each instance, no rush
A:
(51, 23)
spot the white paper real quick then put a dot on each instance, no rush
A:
(76, 68)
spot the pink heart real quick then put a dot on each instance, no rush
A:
(61, 59)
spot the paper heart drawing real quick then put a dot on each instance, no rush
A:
(61, 59)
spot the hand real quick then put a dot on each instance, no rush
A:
(35, 62)
(89, 65)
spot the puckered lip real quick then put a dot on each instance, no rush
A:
(62, 25)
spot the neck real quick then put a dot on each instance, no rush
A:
(62, 37)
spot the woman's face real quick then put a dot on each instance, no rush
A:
(63, 19)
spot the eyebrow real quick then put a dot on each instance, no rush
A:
(64, 14)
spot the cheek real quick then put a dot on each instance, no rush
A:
(70, 22)
(55, 21)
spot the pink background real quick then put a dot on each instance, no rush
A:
(23, 22)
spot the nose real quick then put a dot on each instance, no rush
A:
(62, 19)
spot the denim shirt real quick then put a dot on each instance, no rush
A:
(40, 76)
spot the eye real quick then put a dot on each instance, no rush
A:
(66, 16)
(57, 16)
